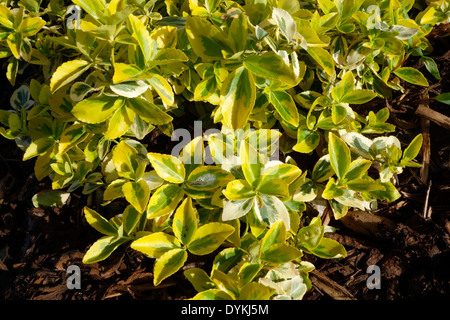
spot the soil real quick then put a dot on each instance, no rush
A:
(409, 240)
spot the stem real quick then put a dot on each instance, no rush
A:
(401, 63)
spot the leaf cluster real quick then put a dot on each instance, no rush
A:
(278, 78)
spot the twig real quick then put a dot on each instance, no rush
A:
(436, 117)
(426, 149)
(426, 209)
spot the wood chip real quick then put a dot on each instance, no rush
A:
(330, 287)
(367, 223)
(436, 117)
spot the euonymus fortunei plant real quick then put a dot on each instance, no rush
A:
(274, 78)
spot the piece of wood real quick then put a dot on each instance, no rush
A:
(426, 146)
(330, 287)
(436, 117)
(367, 223)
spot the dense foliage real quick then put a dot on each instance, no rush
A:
(268, 80)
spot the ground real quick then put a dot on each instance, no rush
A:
(408, 239)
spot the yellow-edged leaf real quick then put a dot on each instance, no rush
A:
(67, 72)
(156, 244)
(167, 167)
(209, 237)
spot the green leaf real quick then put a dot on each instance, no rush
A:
(125, 72)
(285, 22)
(285, 106)
(432, 16)
(331, 190)
(148, 111)
(323, 58)
(390, 193)
(364, 185)
(163, 88)
(169, 263)
(30, 5)
(67, 72)
(96, 109)
(411, 75)
(184, 223)
(168, 55)
(251, 163)
(209, 237)
(6, 17)
(358, 96)
(125, 161)
(119, 123)
(444, 98)
(234, 209)
(14, 41)
(284, 171)
(208, 41)
(347, 8)
(358, 143)
(167, 167)
(345, 86)
(129, 89)
(270, 209)
(238, 33)
(225, 282)
(208, 178)
(71, 136)
(227, 259)
(53, 198)
(199, 279)
(357, 168)
(38, 147)
(205, 89)
(248, 272)
(30, 26)
(339, 155)
(310, 236)
(413, 149)
(99, 223)
(156, 244)
(152, 179)
(141, 35)
(165, 199)
(130, 219)
(274, 187)
(329, 249)
(322, 170)
(237, 98)
(271, 66)
(96, 8)
(11, 70)
(339, 210)
(431, 66)
(280, 253)
(276, 234)
(256, 291)
(137, 194)
(102, 249)
(307, 140)
(193, 156)
(338, 113)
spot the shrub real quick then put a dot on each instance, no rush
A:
(269, 80)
